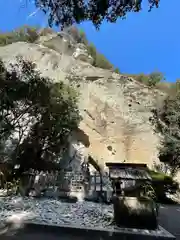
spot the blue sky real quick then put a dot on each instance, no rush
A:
(144, 42)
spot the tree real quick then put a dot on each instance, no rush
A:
(154, 78)
(167, 122)
(36, 116)
(65, 13)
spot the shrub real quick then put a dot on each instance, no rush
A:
(102, 62)
(151, 79)
(99, 59)
(116, 70)
(163, 184)
(154, 78)
(80, 37)
(24, 34)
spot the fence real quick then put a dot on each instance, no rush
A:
(60, 183)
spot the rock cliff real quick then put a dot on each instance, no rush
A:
(116, 109)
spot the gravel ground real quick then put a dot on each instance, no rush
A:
(55, 212)
(49, 211)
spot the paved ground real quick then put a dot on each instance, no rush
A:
(41, 236)
(169, 218)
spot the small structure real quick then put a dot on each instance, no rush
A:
(26, 183)
(100, 188)
(74, 184)
(133, 207)
(127, 178)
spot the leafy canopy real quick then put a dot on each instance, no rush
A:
(36, 116)
(65, 12)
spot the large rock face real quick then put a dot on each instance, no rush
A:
(115, 109)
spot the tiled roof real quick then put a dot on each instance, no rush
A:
(129, 173)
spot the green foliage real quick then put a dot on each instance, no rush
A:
(157, 175)
(31, 34)
(83, 38)
(150, 80)
(92, 50)
(167, 122)
(24, 34)
(102, 62)
(141, 78)
(36, 116)
(116, 70)
(154, 78)
(66, 13)
(80, 37)
(99, 59)
(163, 184)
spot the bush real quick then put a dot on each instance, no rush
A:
(116, 70)
(31, 34)
(163, 184)
(92, 51)
(150, 80)
(83, 38)
(154, 78)
(80, 37)
(99, 59)
(24, 34)
(102, 62)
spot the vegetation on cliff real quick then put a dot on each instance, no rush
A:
(151, 79)
(36, 116)
(167, 122)
(99, 60)
(31, 34)
(23, 34)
